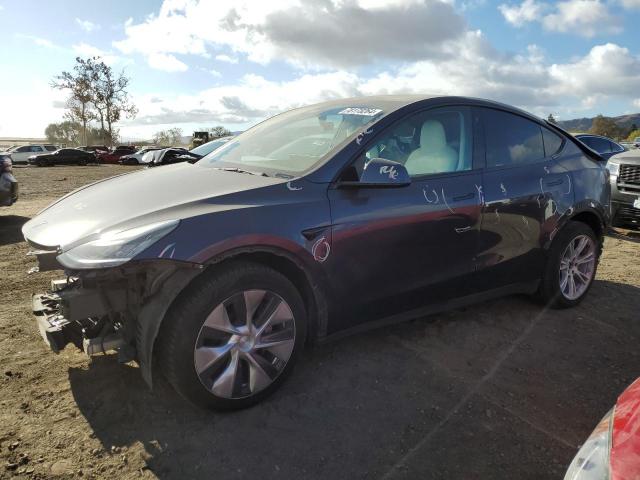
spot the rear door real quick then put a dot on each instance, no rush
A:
(397, 249)
(525, 192)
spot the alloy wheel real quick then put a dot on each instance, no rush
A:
(577, 267)
(244, 344)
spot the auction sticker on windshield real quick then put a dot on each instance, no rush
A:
(367, 112)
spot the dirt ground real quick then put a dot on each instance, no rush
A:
(502, 390)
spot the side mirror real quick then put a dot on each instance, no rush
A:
(379, 172)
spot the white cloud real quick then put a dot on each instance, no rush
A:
(528, 81)
(38, 97)
(584, 77)
(87, 25)
(518, 15)
(85, 50)
(166, 63)
(636, 103)
(587, 18)
(226, 58)
(39, 41)
(630, 4)
(327, 34)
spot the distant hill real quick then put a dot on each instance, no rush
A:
(584, 124)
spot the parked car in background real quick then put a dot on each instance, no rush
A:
(172, 155)
(624, 175)
(603, 145)
(115, 155)
(95, 148)
(636, 142)
(612, 452)
(8, 183)
(20, 154)
(167, 156)
(64, 156)
(320, 221)
(136, 158)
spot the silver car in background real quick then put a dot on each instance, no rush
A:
(624, 175)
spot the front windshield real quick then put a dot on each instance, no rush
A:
(295, 141)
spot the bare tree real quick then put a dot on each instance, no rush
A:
(81, 93)
(96, 93)
(168, 138)
(112, 98)
(218, 132)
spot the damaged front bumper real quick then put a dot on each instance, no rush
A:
(59, 326)
(118, 308)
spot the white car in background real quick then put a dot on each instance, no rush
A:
(136, 158)
(20, 154)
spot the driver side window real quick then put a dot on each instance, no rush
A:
(429, 142)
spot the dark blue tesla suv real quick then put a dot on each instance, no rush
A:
(318, 222)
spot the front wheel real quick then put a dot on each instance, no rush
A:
(233, 337)
(571, 266)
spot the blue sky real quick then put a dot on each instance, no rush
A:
(198, 64)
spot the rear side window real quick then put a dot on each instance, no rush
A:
(600, 145)
(50, 148)
(511, 139)
(615, 147)
(552, 142)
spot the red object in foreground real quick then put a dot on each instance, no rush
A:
(625, 445)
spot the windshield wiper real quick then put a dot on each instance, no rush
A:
(240, 170)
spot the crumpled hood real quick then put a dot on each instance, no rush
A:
(127, 201)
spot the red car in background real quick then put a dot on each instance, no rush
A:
(114, 155)
(612, 452)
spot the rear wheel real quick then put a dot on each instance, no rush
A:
(571, 266)
(234, 337)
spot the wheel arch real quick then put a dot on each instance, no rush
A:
(312, 291)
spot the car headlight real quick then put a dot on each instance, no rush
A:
(592, 460)
(115, 248)
(613, 168)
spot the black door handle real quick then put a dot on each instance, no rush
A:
(466, 196)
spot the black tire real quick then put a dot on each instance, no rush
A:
(181, 326)
(549, 291)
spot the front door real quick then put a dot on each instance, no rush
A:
(397, 249)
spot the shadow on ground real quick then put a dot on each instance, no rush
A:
(623, 234)
(505, 389)
(10, 228)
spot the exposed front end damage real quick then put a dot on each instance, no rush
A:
(110, 309)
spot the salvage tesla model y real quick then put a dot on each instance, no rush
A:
(317, 222)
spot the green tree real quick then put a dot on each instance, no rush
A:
(552, 119)
(633, 135)
(70, 133)
(605, 126)
(168, 138)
